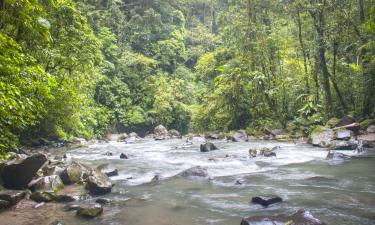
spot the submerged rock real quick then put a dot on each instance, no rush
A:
(160, 133)
(90, 211)
(111, 173)
(208, 146)
(336, 155)
(301, 217)
(17, 174)
(98, 183)
(196, 171)
(265, 201)
(123, 156)
(103, 201)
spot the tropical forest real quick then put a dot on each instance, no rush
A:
(187, 112)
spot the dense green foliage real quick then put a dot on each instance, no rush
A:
(87, 68)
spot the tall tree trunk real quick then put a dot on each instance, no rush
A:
(302, 45)
(318, 17)
(333, 78)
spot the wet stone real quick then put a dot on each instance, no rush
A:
(265, 201)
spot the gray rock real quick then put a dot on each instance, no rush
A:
(90, 211)
(301, 217)
(196, 171)
(48, 183)
(239, 136)
(98, 183)
(344, 134)
(208, 146)
(160, 133)
(17, 174)
(323, 138)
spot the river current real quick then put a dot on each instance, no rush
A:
(335, 191)
(338, 192)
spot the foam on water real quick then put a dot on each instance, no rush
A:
(168, 158)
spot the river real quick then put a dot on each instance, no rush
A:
(338, 192)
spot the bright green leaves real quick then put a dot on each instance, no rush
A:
(24, 89)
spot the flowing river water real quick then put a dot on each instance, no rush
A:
(337, 192)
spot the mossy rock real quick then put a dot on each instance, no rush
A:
(90, 211)
(332, 122)
(366, 123)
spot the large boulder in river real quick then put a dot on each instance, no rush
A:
(17, 174)
(73, 173)
(321, 137)
(48, 183)
(160, 133)
(208, 146)
(301, 217)
(98, 183)
(196, 171)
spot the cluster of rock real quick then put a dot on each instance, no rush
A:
(266, 152)
(128, 138)
(345, 134)
(161, 133)
(41, 179)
